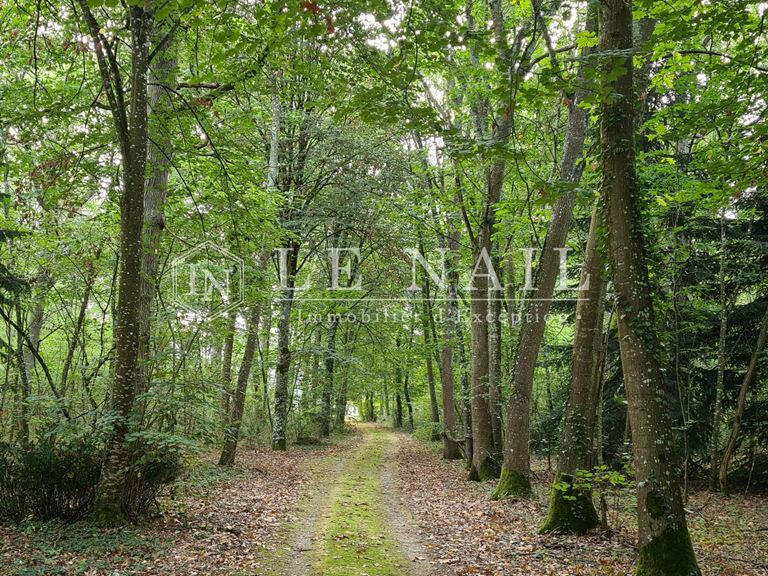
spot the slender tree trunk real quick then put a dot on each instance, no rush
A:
(232, 432)
(570, 508)
(132, 132)
(730, 447)
(22, 419)
(484, 465)
(663, 540)
(515, 476)
(398, 399)
(495, 400)
(36, 323)
(341, 404)
(450, 338)
(159, 155)
(426, 313)
(79, 322)
(717, 416)
(466, 402)
(225, 395)
(330, 360)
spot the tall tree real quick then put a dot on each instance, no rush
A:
(515, 476)
(664, 543)
(130, 121)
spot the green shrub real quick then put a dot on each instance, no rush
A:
(48, 480)
(58, 479)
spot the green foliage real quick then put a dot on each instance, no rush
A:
(48, 480)
(57, 478)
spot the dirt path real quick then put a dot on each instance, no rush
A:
(354, 521)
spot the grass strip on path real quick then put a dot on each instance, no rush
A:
(358, 540)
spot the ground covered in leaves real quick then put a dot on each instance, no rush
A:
(467, 533)
(293, 514)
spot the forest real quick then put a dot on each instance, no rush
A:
(384, 287)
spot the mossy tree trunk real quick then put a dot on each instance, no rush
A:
(571, 510)
(663, 541)
(279, 430)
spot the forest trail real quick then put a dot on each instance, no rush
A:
(354, 522)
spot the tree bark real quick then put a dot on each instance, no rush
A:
(36, 323)
(495, 401)
(232, 432)
(426, 313)
(571, 510)
(717, 416)
(131, 129)
(515, 476)
(22, 418)
(159, 155)
(730, 447)
(663, 540)
(225, 394)
(284, 351)
(466, 402)
(330, 361)
(450, 336)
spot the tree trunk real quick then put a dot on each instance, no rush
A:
(225, 394)
(330, 360)
(466, 402)
(484, 465)
(663, 540)
(571, 510)
(159, 155)
(717, 416)
(132, 133)
(426, 313)
(22, 419)
(232, 432)
(341, 404)
(730, 447)
(36, 323)
(495, 401)
(284, 353)
(450, 337)
(398, 400)
(515, 476)
(79, 321)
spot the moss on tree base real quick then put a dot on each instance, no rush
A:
(668, 554)
(512, 485)
(488, 470)
(279, 444)
(571, 511)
